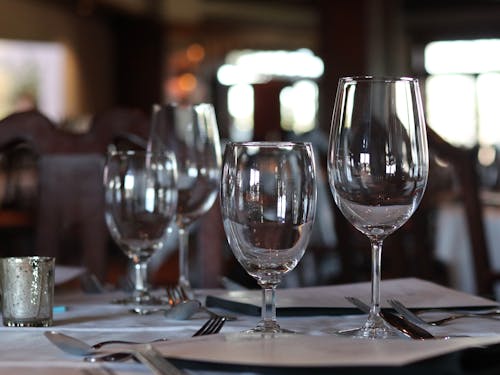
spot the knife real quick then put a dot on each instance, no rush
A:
(398, 322)
(405, 326)
(156, 362)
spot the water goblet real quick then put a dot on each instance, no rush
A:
(191, 133)
(140, 204)
(377, 166)
(268, 199)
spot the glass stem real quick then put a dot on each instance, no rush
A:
(183, 258)
(376, 245)
(141, 274)
(269, 306)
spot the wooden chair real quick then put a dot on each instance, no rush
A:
(465, 166)
(68, 216)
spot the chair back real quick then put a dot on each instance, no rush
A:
(68, 213)
(465, 166)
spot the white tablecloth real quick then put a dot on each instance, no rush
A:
(91, 318)
(453, 244)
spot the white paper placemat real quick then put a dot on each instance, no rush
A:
(313, 351)
(413, 292)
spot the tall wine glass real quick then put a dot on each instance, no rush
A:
(190, 131)
(377, 166)
(268, 198)
(140, 204)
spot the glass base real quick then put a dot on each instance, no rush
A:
(374, 329)
(269, 328)
(371, 333)
(141, 299)
(147, 310)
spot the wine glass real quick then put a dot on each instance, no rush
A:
(140, 204)
(268, 199)
(377, 166)
(189, 131)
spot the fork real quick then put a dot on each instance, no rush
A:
(176, 294)
(410, 315)
(108, 342)
(210, 327)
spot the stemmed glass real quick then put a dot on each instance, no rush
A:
(268, 199)
(190, 131)
(377, 166)
(140, 204)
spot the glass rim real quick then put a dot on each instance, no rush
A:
(382, 78)
(24, 258)
(138, 152)
(264, 144)
(182, 106)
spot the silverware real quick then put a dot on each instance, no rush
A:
(176, 294)
(74, 346)
(411, 316)
(69, 344)
(211, 326)
(126, 342)
(404, 311)
(181, 311)
(98, 371)
(400, 323)
(156, 362)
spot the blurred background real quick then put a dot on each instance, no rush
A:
(270, 67)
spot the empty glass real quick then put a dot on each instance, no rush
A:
(141, 199)
(377, 166)
(191, 133)
(268, 198)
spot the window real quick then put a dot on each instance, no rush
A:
(463, 91)
(32, 76)
(298, 101)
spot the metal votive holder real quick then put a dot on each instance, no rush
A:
(27, 291)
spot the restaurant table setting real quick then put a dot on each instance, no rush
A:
(377, 168)
(316, 314)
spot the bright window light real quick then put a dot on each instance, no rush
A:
(32, 76)
(451, 108)
(488, 92)
(129, 182)
(149, 204)
(298, 102)
(229, 75)
(463, 89)
(259, 66)
(240, 105)
(364, 158)
(463, 56)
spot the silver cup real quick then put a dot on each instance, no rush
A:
(27, 291)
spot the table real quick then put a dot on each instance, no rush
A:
(92, 318)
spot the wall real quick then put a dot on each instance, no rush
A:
(89, 73)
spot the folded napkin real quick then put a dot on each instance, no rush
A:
(329, 300)
(63, 274)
